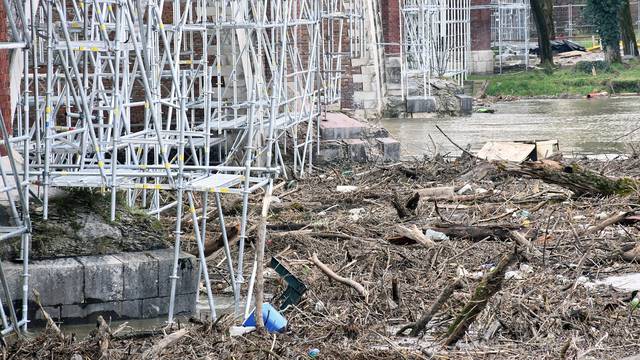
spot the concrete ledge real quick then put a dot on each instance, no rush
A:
(466, 104)
(103, 279)
(390, 148)
(340, 126)
(120, 286)
(421, 104)
(357, 150)
(187, 272)
(140, 274)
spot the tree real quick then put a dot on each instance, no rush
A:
(544, 31)
(604, 14)
(628, 32)
(547, 7)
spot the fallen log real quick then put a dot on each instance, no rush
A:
(412, 235)
(572, 177)
(615, 219)
(489, 286)
(525, 243)
(354, 284)
(167, 341)
(418, 327)
(475, 233)
(213, 245)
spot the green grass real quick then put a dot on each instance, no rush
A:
(620, 78)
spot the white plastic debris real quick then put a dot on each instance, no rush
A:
(602, 215)
(579, 217)
(481, 191)
(513, 275)
(465, 190)
(435, 235)
(319, 306)
(240, 330)
(526, 269)
(356, 214)
(346, 188)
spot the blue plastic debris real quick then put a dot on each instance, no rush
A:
(273, 320)
(313, 353)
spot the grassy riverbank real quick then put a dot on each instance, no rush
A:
(567, 81)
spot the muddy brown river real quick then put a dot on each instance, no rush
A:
(582, 126)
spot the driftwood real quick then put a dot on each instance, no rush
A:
(166, 342)
(475, 233)
(213, 245)
(262, 234)
(359, 288)
(573, 177)
(412, 235)
(525, 243)
(50, 323)
(418, 327)
(618, 218)
(104, 335)
(489, 286)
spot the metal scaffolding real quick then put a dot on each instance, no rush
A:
(342, 39)
(172, 103)
(436, 43)
(15, 175)
(510, 24)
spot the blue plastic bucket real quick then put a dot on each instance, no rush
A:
(273, 320)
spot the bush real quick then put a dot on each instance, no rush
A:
(586, 66)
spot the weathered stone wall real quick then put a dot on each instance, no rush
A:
(120, 286)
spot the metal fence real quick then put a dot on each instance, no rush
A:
(571, 23)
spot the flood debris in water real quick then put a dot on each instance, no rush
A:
(532, 244)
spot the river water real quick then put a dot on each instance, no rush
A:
(582, 126)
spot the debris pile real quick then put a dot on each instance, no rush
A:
(463, 259)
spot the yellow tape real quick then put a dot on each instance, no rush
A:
(192, 209)
(48, 110)
(103, 27)
(161, 26)
(100, 164)
(167, 165)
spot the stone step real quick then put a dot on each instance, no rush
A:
(389, 148)
(338, 126)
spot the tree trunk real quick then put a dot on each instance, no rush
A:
(612, 53)
(544, 44)
(548, 15)
(627, 31)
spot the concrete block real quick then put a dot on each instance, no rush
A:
(184, 304)
(103, 279)
(390, 148)
(466, 104)
(129, 309)
(73, 311)
(59, 281)
(357, 150)
(330, 151)
(53, 311)
(140, 275)
(340, 126)
(187, 272)
(421, 104)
